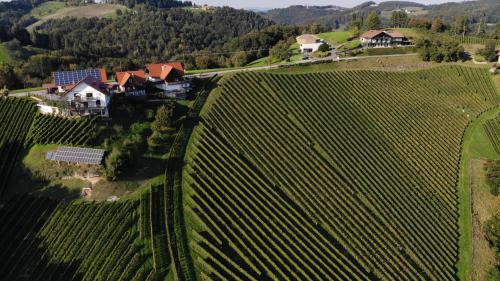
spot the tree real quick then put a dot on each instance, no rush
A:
(437, 25)
(373, 21)
(280, 51)
(239, 58)
(481, 27)
(164, 118)
(356, 24)
(8, 77)
(324, 47)
(460, 25)
(496, 31)
(399, 19)
(419, 22)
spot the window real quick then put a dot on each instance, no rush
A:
(98, 103)
(89, 95)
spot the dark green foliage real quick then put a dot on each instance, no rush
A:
(163, 4)
(493, 176)
(489, 50)
(281, 51)
(492, 229)
(59, 130)
(324, 47)
(120, 159)
(373, 21)
(8, 77)
(440, 49)
(399, 19)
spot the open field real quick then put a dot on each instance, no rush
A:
(343, 175)
(87, 11)
(335, 37)
(47, 9)
(4, 54)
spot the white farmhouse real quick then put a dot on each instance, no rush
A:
(88, 97)
(309, 43)
(383, 38)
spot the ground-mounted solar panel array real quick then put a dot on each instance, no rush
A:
(62, 78)
(347, 175)
(77, 155)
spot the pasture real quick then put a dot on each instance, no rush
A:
(343, 175)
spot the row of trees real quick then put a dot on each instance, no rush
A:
(438, 50)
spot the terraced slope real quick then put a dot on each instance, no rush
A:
(331, 176)
(42, 239)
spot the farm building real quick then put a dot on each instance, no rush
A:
(131, 83)
(169, 77)
(309, 43)
(82, 92)
(383, 38)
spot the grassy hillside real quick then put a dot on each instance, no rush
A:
(4, 54)
(55, 11)
(46, 9)
(347, 175)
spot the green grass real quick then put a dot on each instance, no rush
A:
(47, 8)
(475, 145)
(335, 37)
(26, 90)
(4, 54)
(350, 45)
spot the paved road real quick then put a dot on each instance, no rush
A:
(222, 72)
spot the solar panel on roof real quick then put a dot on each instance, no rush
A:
(78, 155)
(62, 78)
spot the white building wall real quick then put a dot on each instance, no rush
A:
(82, 90)
(314, 46)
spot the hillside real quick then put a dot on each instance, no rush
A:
(348, 175)
(50, 12)
(490, 9)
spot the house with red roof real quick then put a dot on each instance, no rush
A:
(87, 97)
(132, 82)
(82, 92)
(383, 38)
(169, 78)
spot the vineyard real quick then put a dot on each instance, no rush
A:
(347, 175)
(59, 130)
(42, 239)
(492, 129)
(16, 116)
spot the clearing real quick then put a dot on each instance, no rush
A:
(4, 54)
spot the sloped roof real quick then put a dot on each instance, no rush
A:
(92, 82)
(158, 70)
(70, 77)
(373, 33)
(307, 39)
(123, 76)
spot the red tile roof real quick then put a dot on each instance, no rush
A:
(123, 76)
(372, 33)
(162, 70)
(104, 77)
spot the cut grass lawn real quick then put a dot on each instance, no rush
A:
(4, 54)
(335, 37)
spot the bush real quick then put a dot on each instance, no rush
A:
(324, 48)
(493, 176)
(438, 50)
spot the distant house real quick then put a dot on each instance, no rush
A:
(82, 92)
(383, 38)
(309, 43)
(132, 83)
(169, 78)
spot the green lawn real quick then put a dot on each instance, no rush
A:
(350, 45)
(4, 54)
(476, 145)
(47, 8)
(335, 37)
(26, 90)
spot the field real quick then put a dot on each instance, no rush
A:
(4, 54)
(336, 37)
(46, 9)
(87, 11)
(16, 116)
(42, 239)
(344, 175)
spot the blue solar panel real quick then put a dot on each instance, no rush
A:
(62, 78)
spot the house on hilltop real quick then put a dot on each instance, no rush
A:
(169, 78)
(309, 43)
(383, 38)
(80, 92)
(132, 83)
